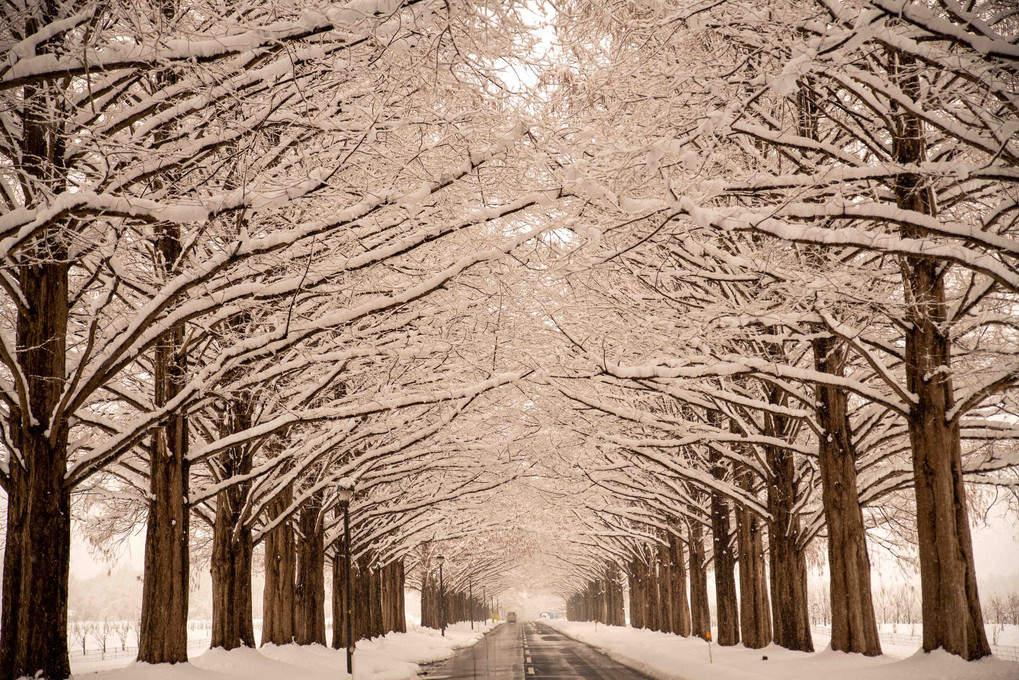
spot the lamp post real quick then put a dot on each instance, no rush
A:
(345, 493)
(442, 597)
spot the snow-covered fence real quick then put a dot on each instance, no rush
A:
(1004, 652)
(195, 645)
(199, 639)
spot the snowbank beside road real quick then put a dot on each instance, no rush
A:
(394, 657)
(670, 657)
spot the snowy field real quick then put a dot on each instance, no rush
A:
(670, 657)
(904, 639)
(397, 656)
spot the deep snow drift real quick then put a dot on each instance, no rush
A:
(670, 657)
(395, 657)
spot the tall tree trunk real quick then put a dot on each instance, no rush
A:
(12, 663)
(591, 599)
(393, 598)
(388, 596)
(725, 576)
(163, 637)
(700, 613)
(616, 614)
(790, 614)
(951, 604)
(429, 599)
(36, 565)
(636, 595)
(33, 637)
(680, 609)
(643, 593)
(377, 626)
(755, 608)
(605, 601)
(232, 548)
(340, 605)
(854, 626)
(309, 591)
(666, 615)
(231, 586)
(789, 606)
(37, 559)
(620, 600)
(280, 572)
(361, 595)
(652, 601)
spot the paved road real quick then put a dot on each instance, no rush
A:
(530, 651)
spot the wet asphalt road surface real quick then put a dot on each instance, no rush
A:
(526, 651)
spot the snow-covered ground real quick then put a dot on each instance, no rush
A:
(904, 639)
(394, 657)
(670, 657)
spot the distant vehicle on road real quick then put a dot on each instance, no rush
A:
(511, 617)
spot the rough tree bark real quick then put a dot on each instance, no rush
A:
(232, 547)
(755, 608)
(636, 594)
(361, 593)
(951, 604)
(790, 615)
(232, 624)
(340, 605)
(614, 584)
(33, 636)
(652, 601)
(666, 604)
(163, 637)
(725, 576)
(790, 612)
(726, 603)
(37, 559)
(429, 598)
(700, 613)
(280, 571)
(854, 626)
(376, 625)
(681, 624)
(402, 595)
(393, 614)
(309, 587)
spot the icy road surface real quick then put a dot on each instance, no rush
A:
(526, 651)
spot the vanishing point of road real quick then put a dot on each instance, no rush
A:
(530, 651)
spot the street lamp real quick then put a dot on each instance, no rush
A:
(344, 494)
(442, 597)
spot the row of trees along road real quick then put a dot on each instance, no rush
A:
(805, 215)
(254, 254)
(230, 236)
